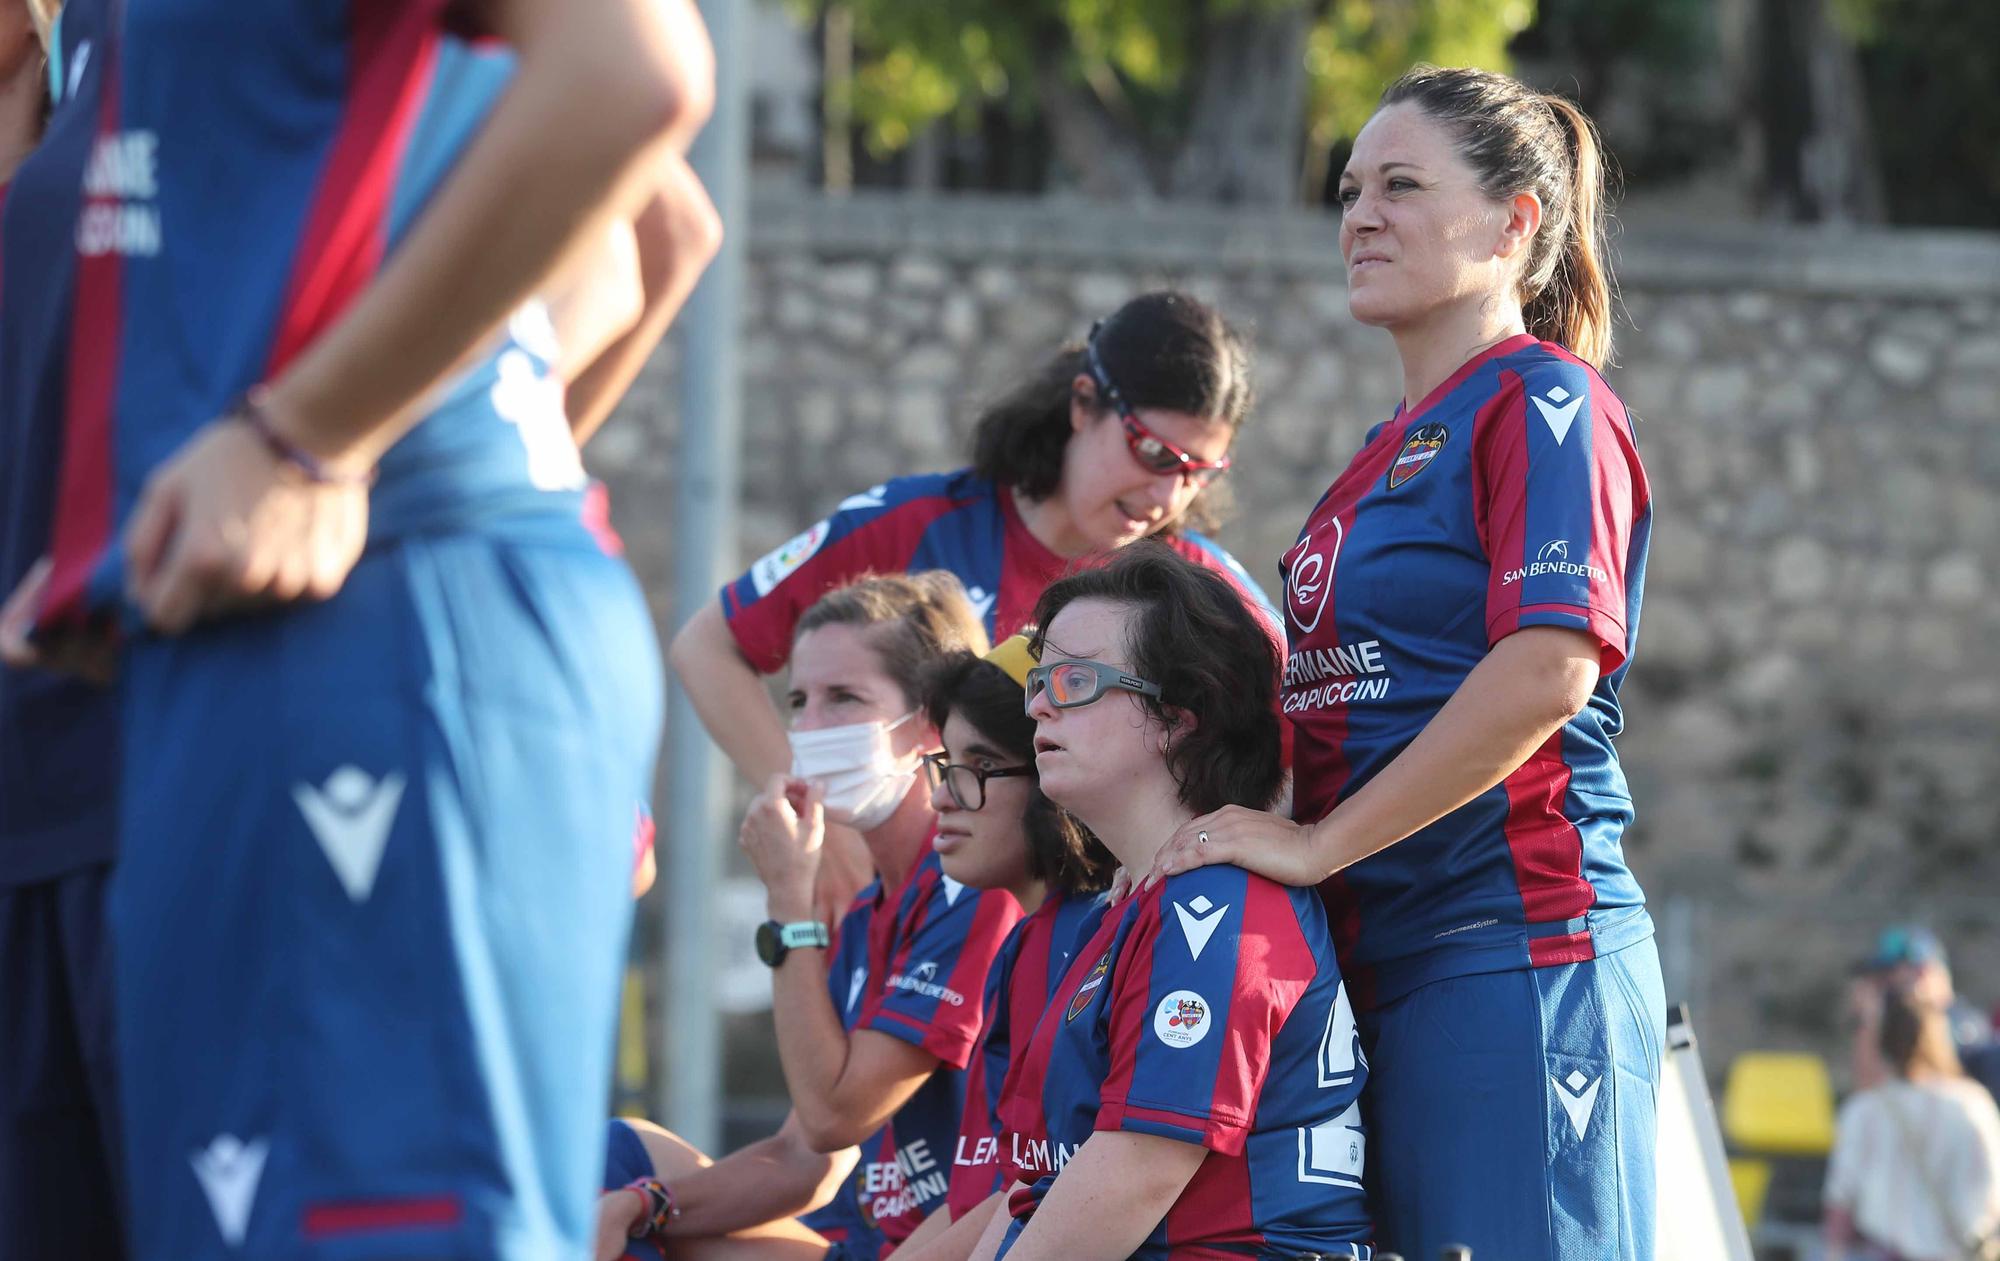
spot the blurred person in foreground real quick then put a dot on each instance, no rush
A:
(1911, 957)
(338, 520)
(61, 1181)
(1915, 1172)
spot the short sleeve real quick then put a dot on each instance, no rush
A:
(1207, 979)
(1559, 496)
(875, 531)
(932, 991)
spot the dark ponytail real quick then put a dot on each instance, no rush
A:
(1164, 350)
(1518, 140)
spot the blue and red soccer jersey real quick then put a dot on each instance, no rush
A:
(912, 964)
(251, 171)
(959, 522)
(58, 737)
(1024, 978)
(1512, 496)
(1207, 1010)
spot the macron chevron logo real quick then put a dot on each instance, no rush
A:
(1559, 410)
(1578, 1096)
(952, 889)
(350, 817)
(1199, 920)
(229, 1170)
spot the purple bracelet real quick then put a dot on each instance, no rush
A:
(249, 408)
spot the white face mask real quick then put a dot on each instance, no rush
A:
(856, 769)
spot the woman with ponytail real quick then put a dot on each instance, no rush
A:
(1462, 605)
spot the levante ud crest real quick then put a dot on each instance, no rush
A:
(1417, 453)
(1089, 987)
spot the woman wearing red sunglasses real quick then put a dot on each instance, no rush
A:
(1111, 440)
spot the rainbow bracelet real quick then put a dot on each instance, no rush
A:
(659, 1206)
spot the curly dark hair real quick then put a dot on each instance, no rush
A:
(1061, 851)
(1192, 634)
(1164, 350)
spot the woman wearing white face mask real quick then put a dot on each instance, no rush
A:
(874, 1024)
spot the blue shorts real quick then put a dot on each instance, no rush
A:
(1514, 1112)
(372, 906)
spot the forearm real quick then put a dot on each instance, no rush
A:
(1108, 1198)
(595, 300)
(997, 1227)
(593, 100)
(677, 233)
(772, 1178)
(941, 1239)
(729, 696)
(813, 1045)
(1522, 693)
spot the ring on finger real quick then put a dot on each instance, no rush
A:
(1201, 838)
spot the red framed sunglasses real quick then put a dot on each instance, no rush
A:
(1154, 453)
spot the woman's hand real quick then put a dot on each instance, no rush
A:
(90, 651)
(617, 1213)
(1271, 846)
(782, 833)
(845, 868)
(226, 525)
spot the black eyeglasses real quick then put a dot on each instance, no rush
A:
(967, 784)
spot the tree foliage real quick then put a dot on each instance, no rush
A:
(1130, 80)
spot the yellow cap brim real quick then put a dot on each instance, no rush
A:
(1012, 655)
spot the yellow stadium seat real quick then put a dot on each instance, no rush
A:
(1778, 1103)
(1751, 1177)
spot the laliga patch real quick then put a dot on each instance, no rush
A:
(1181, 1019)
(1417, 453)
(1089, 987)
(783, 562)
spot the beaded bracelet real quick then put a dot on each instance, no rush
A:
(659, 1206)
(249, 408)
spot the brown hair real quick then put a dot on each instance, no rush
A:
(1165, 350)
(1916, 1036)
(1518, 141)
(1191, 633)
(1061, 851)
(912, 620)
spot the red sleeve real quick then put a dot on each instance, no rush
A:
(933, 987)
(1558, 488)
(876, 531)
(1201, 1084)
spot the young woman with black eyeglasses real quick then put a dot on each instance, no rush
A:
(997, 831)
(1112, 439)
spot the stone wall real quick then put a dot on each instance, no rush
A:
(1814, 734)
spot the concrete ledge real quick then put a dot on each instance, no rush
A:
(1927, 264)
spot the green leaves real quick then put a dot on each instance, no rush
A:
(921, 62)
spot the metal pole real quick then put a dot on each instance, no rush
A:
(705, 495)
